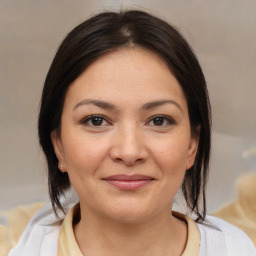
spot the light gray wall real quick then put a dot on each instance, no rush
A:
(222, 33)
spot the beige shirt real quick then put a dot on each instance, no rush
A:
(68, 246)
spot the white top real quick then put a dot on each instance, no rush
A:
(217, 237)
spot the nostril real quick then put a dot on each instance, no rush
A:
(118, 159)
(128, 150)
(129, 161)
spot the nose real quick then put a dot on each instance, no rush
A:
(128, 146)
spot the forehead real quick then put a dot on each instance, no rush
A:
(129, 74)
(126, 62)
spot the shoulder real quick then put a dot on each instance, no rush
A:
(42, 232)
(218, 235)
(13, 223)
(41, 229)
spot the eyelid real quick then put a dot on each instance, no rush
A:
(85, 119)
(168, 118)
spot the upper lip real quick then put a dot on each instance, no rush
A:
(125, 177)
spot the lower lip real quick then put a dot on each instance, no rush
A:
(128, 184)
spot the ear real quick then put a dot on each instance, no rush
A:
(193, 146)
(58, 148)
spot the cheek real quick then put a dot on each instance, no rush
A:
(83, 155)
(170, 158)
(171, 155)
(83, 161)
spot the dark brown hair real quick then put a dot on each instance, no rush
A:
(107, 32)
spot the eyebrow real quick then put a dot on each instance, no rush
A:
(98, 103)
(146, 106)
(158, 103)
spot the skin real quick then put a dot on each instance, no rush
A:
(126, 138)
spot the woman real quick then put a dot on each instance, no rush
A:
(125, 121)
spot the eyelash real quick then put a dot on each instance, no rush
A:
(164, 119)
(87, 119)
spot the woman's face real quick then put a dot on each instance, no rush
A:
(125, 137)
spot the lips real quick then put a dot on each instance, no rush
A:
(128, 182)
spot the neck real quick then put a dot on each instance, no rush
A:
(160, 235)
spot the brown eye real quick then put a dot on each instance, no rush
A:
(161, 121)
(158, 121)
(95, 121)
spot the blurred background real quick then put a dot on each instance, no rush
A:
(223, 35)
